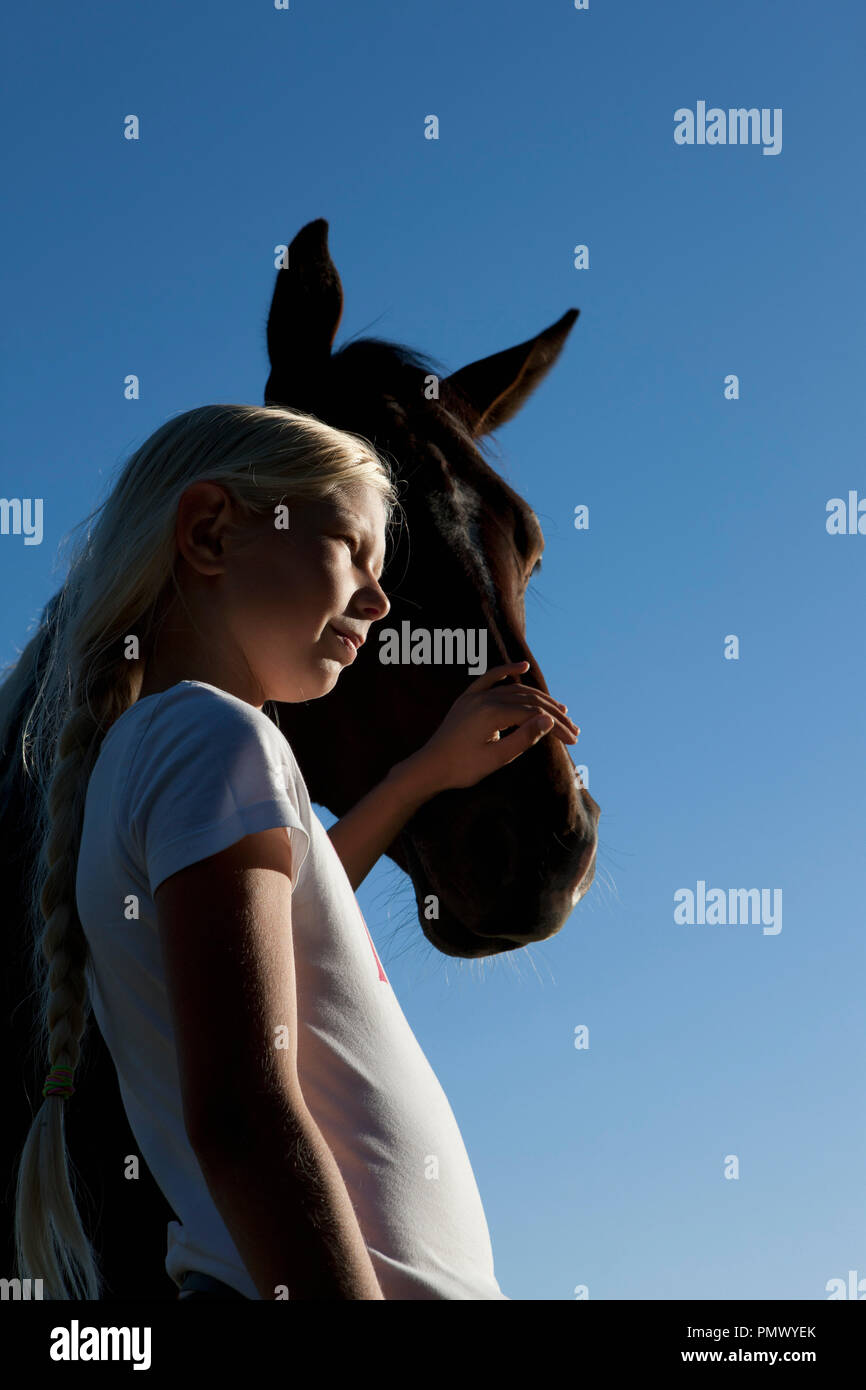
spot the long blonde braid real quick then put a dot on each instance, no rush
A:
(44, 1177)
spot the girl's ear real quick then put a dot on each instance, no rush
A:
(207, 521)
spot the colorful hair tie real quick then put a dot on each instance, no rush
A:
(58, 1082)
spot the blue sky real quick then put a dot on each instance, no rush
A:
(601, 1167)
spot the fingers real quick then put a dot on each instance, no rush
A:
(525, 698)
(546, 722)
(521, 717)
(518, 703)
(496, 673)
(507, 749)
(525, 695)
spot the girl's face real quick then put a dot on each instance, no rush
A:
(260, 607)
(285, 595)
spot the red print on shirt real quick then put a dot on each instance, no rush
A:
(382, 975)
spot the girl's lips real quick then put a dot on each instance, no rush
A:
(347, 643)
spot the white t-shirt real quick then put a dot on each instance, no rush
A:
(182, 775)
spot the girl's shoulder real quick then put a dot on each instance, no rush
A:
(196, 770)
(190, 701)
(193, 719)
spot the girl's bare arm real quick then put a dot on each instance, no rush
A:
(225, 930)
(363, 834)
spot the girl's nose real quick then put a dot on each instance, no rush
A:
(383, 606)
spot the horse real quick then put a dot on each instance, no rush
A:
(495, 866)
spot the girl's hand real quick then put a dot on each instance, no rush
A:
(467, 745)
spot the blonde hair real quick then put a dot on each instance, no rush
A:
(119, 576)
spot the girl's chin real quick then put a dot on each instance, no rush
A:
(326, 672)
(320, 678)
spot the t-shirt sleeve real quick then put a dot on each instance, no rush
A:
(205, 774)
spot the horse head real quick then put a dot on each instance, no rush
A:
(500, 864)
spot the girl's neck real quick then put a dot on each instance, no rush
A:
(155, 682)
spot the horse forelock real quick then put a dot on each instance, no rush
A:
(430, 441)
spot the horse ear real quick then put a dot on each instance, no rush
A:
(305, 314)
(495, 388)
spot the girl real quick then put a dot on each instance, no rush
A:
(188, 893)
